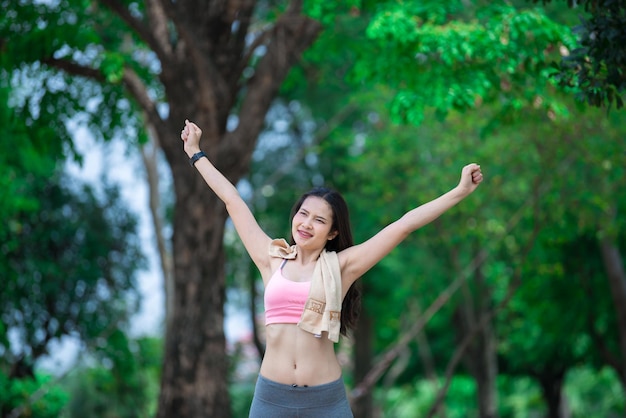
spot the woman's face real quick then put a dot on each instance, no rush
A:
(312, 225)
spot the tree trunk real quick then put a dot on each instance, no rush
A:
(256, 335)
(195, 366)
(486, 377)
(480, 360)
(204, 84)
(149, 154)
(614, 265)
(362, 407)
(480, 357)
(552, 389)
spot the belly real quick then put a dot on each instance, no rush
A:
(293, 356)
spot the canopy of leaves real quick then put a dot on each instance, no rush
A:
(67, 268)
(447, 56)
(597, 67)
(68, 256)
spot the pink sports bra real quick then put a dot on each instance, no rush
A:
(284, 299)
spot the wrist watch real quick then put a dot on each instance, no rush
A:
(194, 158)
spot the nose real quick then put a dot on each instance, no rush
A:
(306, 223)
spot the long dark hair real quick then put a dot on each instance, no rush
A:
(351, 305)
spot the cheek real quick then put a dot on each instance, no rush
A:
(325, 230)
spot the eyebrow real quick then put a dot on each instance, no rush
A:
(316, 217)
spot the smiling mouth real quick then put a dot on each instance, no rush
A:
(304, 234)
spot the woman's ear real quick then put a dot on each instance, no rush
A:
(332, 235)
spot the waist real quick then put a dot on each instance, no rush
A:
(294, 356)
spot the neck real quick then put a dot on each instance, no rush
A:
(308, 256)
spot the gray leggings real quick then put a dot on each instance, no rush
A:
(277, 400)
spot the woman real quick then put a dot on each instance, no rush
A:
(309, 293)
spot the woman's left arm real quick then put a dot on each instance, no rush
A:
(357, 260)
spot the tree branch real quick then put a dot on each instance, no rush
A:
(138, 90)
(131, 80)
(136, 25)
(74, 69)
(292, 34)
(157, 20)
(149, 156)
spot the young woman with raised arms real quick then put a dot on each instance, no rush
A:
(309, 294)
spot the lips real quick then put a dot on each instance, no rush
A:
(304, 234)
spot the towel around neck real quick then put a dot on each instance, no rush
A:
(322, 310)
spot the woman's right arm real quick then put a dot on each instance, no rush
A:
(255, 240)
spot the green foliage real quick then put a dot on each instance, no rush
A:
(596, 66)
(327, 11)
(594, 393)
(36, 36)
(21, 157)
(18, 393)
(70, 267)
(68, 255)
(123, 383)
(416, 400)
(439, 58)
(241, 393)
(519, 397)
(588, 393)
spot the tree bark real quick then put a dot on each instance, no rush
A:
(195, 365)
(480, 357)
(614, 265)
(481, 361)
(552, 389)
(256, 335)
(362, 406)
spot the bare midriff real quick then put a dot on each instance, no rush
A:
(297, 357)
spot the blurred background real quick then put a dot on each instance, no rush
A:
(125, 291)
